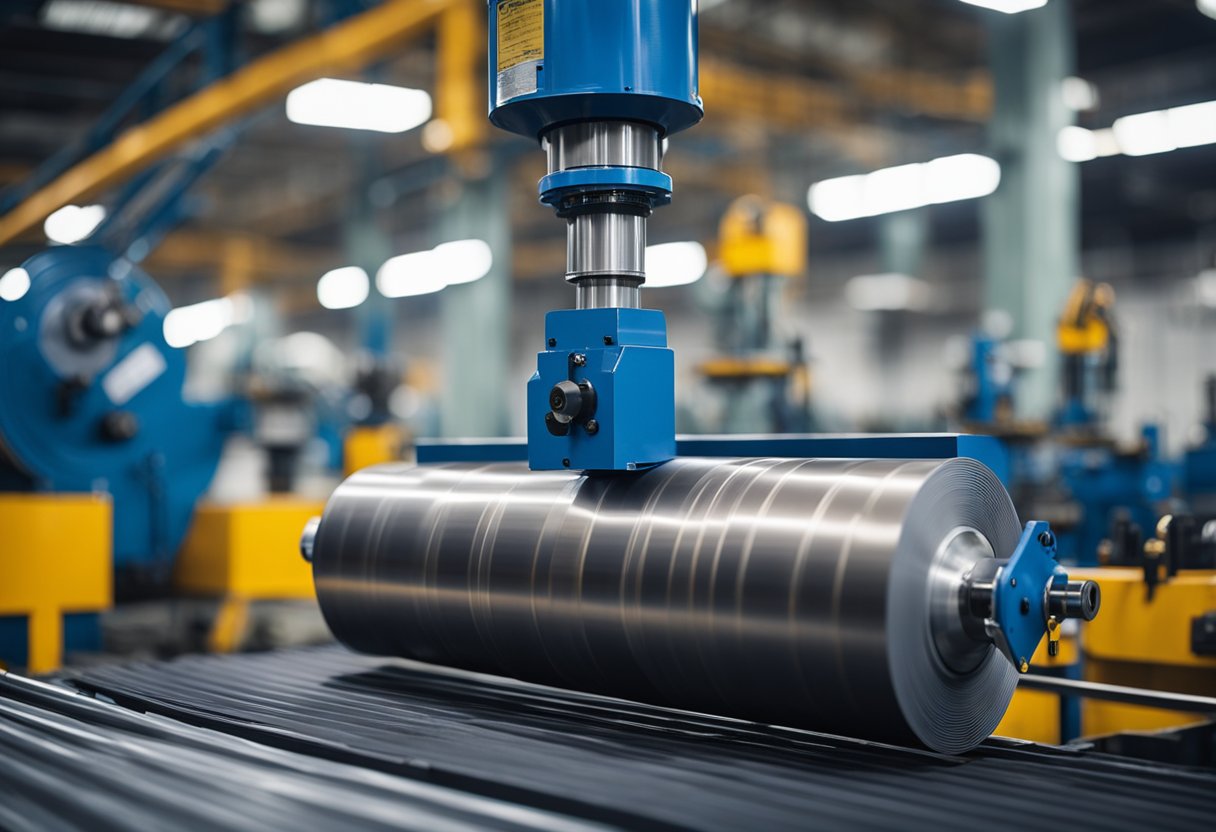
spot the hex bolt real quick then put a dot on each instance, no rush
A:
(593, 427)
(608, 341)
(552, 342)
(579, 359)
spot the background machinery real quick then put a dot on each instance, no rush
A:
(760, 378)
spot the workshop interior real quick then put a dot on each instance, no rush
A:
(607, 414)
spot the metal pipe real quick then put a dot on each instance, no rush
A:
(815, 593)
(1187, 702)
(602, 144)
(601, 293)
(606, 245)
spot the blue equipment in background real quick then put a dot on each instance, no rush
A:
(587, 81)
(91, 400)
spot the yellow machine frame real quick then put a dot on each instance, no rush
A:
(56, 559)
(243, 553)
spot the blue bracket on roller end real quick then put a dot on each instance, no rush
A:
(1028, 595)
(602, 397)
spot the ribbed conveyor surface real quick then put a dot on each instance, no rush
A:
(588, 759)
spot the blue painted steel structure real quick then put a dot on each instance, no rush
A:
(983, 449)
(91, 398)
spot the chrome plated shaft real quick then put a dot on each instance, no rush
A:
(605, 236)
(814, 593)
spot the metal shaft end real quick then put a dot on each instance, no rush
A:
(308, 538)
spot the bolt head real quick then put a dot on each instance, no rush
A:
(608, 341)
(565, 463)
(593, 427)
(553, 342)
(579, 359)
(1047, 540)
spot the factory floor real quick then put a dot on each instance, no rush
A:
(321, 738)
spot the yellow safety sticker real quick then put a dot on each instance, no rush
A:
(521, 32)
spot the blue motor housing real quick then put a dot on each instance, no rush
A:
(553, 62)
(91, 400)
(620, 360)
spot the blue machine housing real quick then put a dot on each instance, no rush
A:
(611, 59)
(54, 398)
(625, 359)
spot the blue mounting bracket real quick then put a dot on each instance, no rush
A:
(1020, 607)
(617, 411)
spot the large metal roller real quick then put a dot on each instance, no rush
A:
(815, 593)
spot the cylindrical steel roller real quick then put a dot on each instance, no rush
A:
(817, 593)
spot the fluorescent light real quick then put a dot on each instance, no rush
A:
(948, 179)
(329, 102)
(424, 272)
(188, 325)
(14, 284)
(674, 264)
(1160, 131)
(1145, 133)
(886, 293)
(1207, 7)
(1078, 94)
(1076, 144)
(966, 176)
(409, 275)
(464, 261)
(1008, 6)
(343, 288)
(115, 20)
(1194, 124)
(73, 223)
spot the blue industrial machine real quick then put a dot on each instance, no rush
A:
(91, 400)
(881, 585)
(585, 80)
(989, 388)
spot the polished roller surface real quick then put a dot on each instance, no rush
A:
(815, 593)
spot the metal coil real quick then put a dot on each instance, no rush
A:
(813, 593)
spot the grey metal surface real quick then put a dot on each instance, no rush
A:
(791, 591)
(601, 293)
(603, 143)
(591, 759)
(606, 244)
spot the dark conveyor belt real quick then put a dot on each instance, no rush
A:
(71, 762)
(591, 759)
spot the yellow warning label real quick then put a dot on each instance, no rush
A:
(521, 32)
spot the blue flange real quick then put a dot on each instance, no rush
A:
(1019, 602)
(654, 183)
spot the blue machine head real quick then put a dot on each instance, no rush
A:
(91, 400)
(555, 62)
(601, 86)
